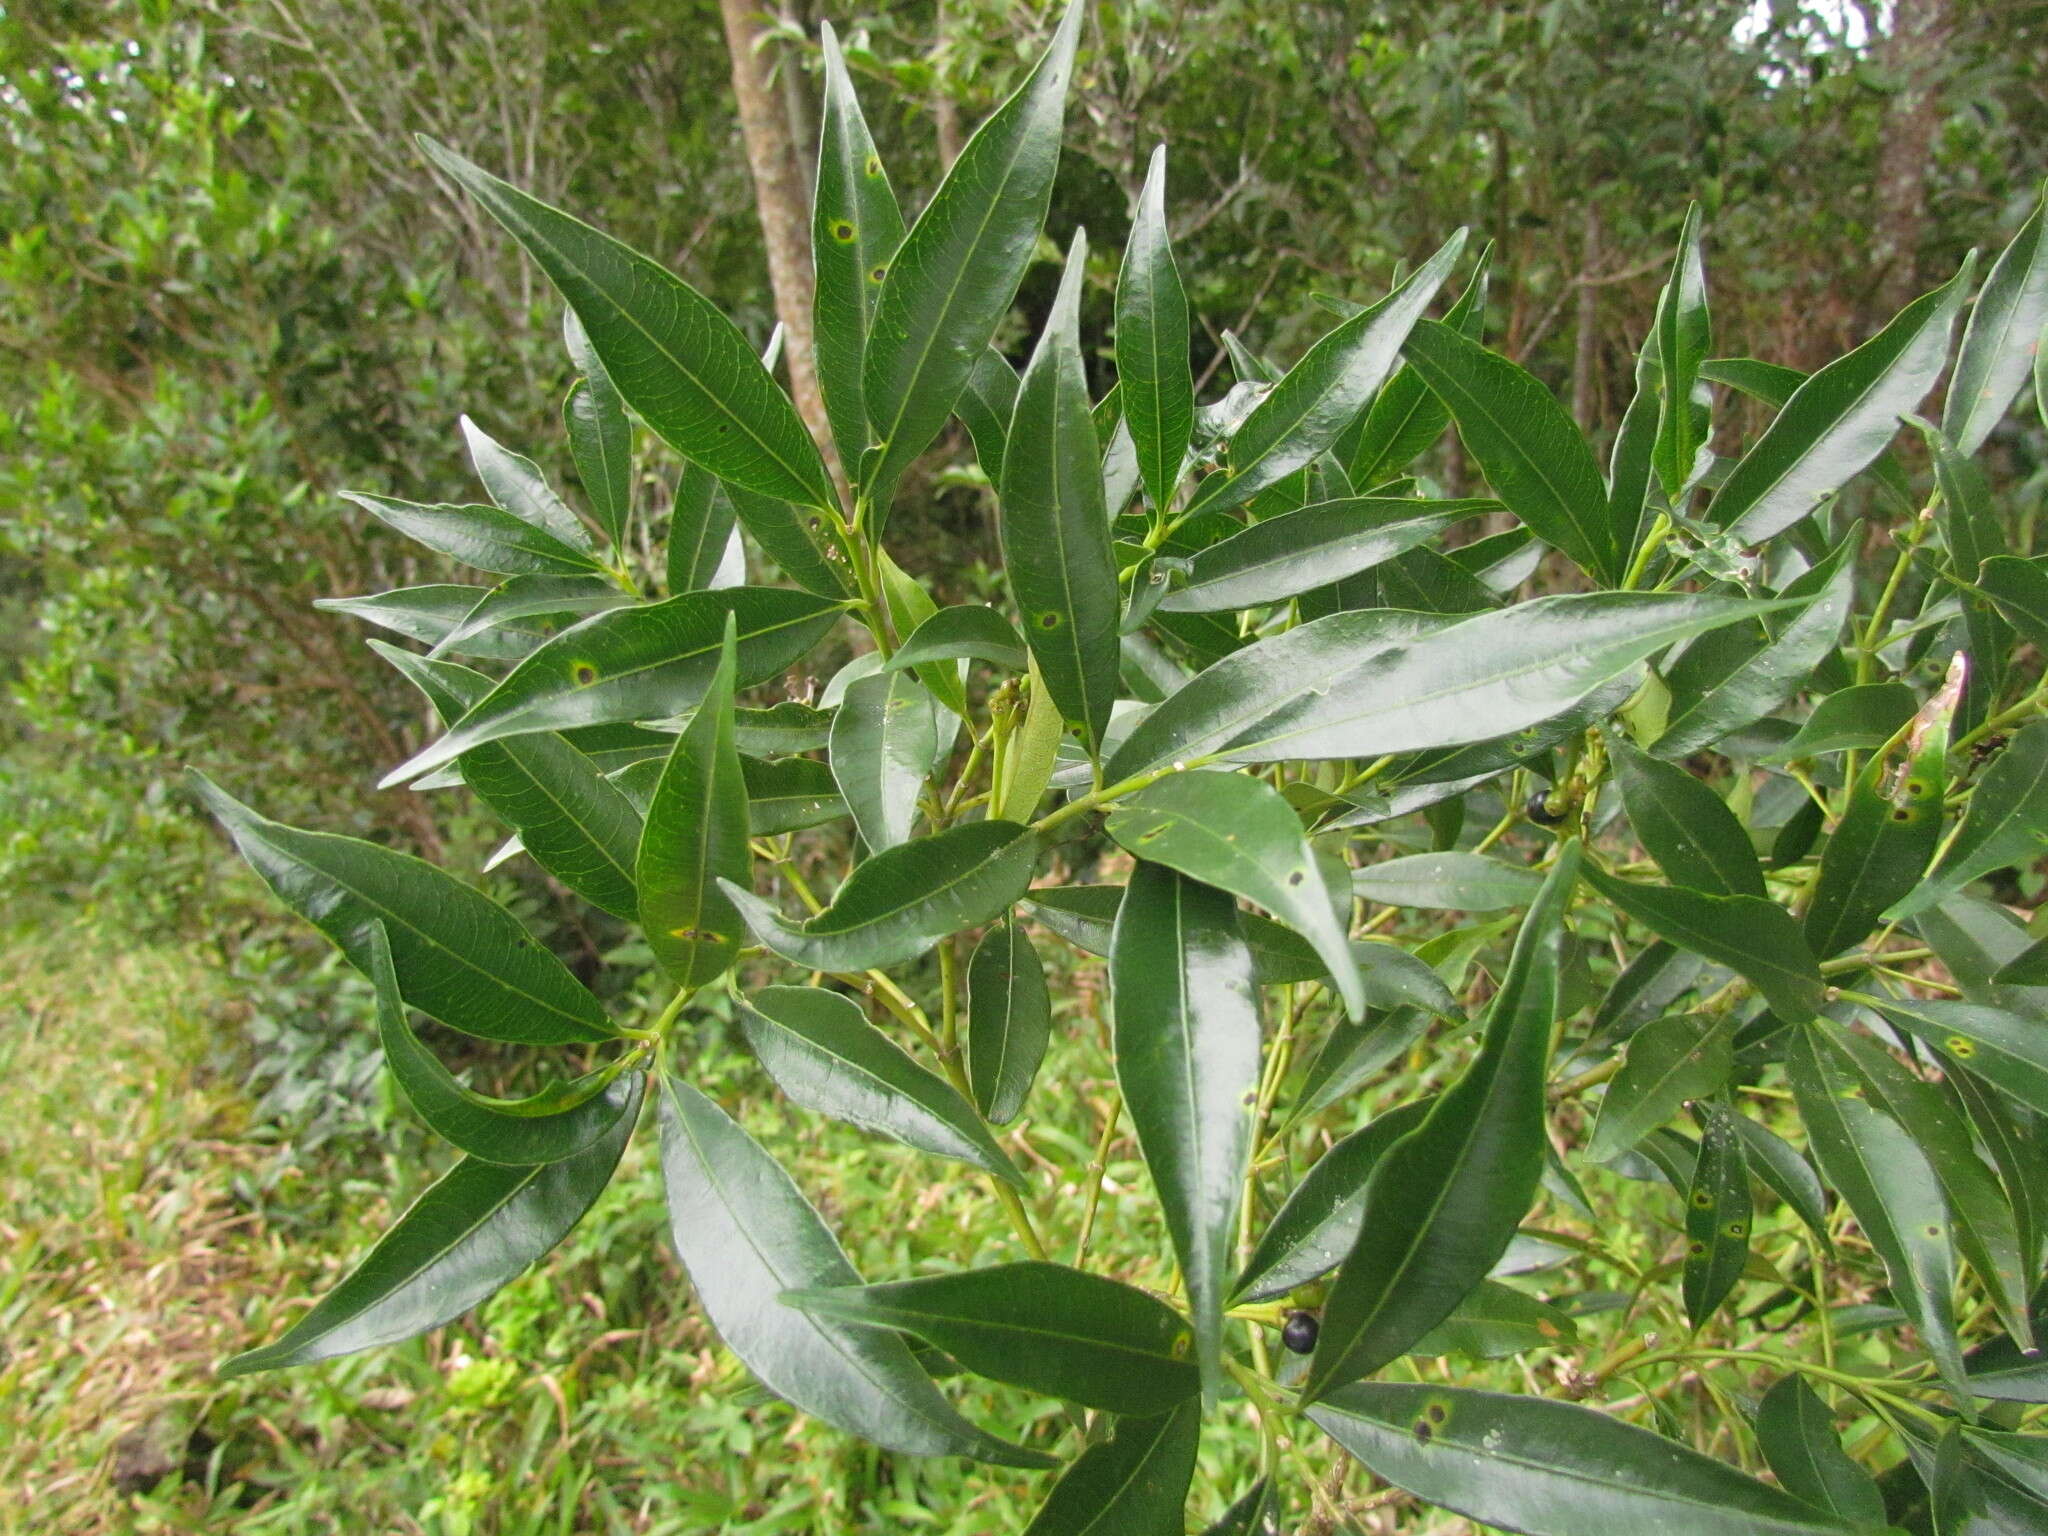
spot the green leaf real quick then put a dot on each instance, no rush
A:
(1495, 1321)
(1009, 1020)
(1717, 1217)
(1548, 1468)
(1299, 551)
(2019, 588)
(2007, 823)
(909, 605)
(1851, 719)
(1469, 882)
(1839, 419)
(856, 227)
(1687, 828)
(2029, 968)
(1797, 1436)
(600, 436)
(986, 406)
(1240, 835)
(1027, 768)
(557, 601)
(1755, 938)
(1255, 1512)
(1055, 526)
(1894, 1195)
(672, 353)
(1710, 702)
(803, 545)
(1043, 1327)
(1152, 369)
(1631, 462)
(1366, 683)
(954, 275)
(558, 1122)
(2001, 339)
(822, 1051)
(1186, 1032)
(1684, 337)
(789, 794)
(970, 631)
(1404, 418)
(1878, 851)
(1135, 1484)
(516, 484)
(2009, 1052)
(461, 957)
(699, 530)
(900, 902)
(577, 825)
(430, 614)
(484, 538)
(885, 734)
(1532, 454)
(1319, 1222)
(696, 833)
(746, 1234)
(636, 663)
(1444, 1201)
(1670, 1061)
(474, 1230)
(1321, 395)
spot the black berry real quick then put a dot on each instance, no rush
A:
(1298, 1333)
(1539, 811)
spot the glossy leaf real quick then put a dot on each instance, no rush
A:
(2007, 1051)
(1495, 1321)
(1152, 370)
(1797, 1436)
(1839, 419)
(1044, 1327)
(1687, 828)
(700, 527)
(1852, 719)
(1755, 938)
(746, 1234)
(900, 902)
(953, 277)
(1186, 1033)
(1296, 552)
(474, 1230)
(1684, 337)
(674, 356)
(1670, 1061)
(1404, 418)
(2007, 823)
(1255, 1512)
(1009, 1020)
(636, 664)
(516, 484)
(803, 544)
(557, 601)
(1444, 1201)
(2029, 968)
(2020, 589)
(1878, 851)
(986, 406)
(1717, 1217)
(822, 1051)
(1469, 882)
(970, 632)
(1055, 527)
(1135, 1484)
(461, 957)
(788, 794)
(1028, 766)
(430, 614)
(1239, 834)
(885, 734)
(2002, 337)
(483, 538)
(600, 436)
(1549, 1468)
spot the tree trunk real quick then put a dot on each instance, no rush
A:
(784, 209)
(1913, 58)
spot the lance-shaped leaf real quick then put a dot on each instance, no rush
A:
(1879, 849)
(2000, 341)
(1043, 1327)
(1009, 1020)
(970, 632)
(885, 734)
(1840, 419)
(515, 483)
(1687, 828)
(1027, 768)
(1717, 1216)
(577, 825)
(954, 275)
(900, 902)
(856, 227)
(600, 436)
(1495, 1321)
(1304, 413)
(1153, 375)
(1797, 1436)
(1444, 1201)
(2009, 1052)
(1239, 834)
(1187, 1058)
(1851, 719)
(671, 352)
(1362, 684)
(639, 663)
(700, 527)
(821, 1050)
(746, 1234)
(557, 601)
(986, 406)
(1895, 1197)
(1755, 938)
(557, 1122)
(695, 835)
(1054, 524)
(1404, 418)
(1548, 1468)
(1468, 882)
(483, 538)
(1255, 1512)
(1318, 1224)
(1134, 1484)
(1685, 335)
(1532, 454)
(431, 613)
(2007, 823)
(1299, 551)
(461, 957)
(475, 1230)
(1631, 466)
(1670, 1061)
(789, 794)
(799, 539)
(2019, 588)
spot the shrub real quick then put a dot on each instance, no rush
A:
(1739, 783)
